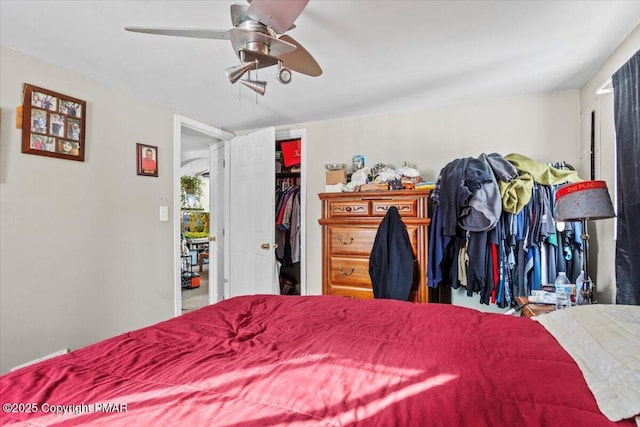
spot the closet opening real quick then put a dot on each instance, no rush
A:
(288, 215)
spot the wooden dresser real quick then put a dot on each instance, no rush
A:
(349, 225)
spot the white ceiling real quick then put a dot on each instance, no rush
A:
(377, 56)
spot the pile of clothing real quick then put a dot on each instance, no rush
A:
(492, 229)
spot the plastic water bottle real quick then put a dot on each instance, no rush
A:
(579, 282)
(563, 291)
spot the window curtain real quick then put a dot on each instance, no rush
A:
(626, 91)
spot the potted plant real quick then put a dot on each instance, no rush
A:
(190, 186)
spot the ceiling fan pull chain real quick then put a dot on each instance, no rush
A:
(257, 78)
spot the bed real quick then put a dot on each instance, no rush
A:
(271, 360)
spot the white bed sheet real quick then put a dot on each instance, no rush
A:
(604, 340)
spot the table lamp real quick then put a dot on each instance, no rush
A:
(584, 201)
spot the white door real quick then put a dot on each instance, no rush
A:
(251, 206)
(216, 223)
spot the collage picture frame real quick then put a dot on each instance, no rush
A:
(53, 124)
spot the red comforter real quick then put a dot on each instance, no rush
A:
(282, 360)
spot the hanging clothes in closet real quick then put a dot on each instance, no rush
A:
(287, 225)
(492, 229)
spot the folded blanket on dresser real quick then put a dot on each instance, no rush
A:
(604, 340)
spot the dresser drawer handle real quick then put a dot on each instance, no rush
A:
(385, 208)
(345, 242)
(348, 209)
(344, 272)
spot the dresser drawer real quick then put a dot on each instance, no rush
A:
(350, 271)
(350, 292)
(351, 240)
(347, 208)
(359, 240)
(406, 208)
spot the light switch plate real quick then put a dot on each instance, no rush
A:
(164, 213)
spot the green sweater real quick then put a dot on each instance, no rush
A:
(517, 192)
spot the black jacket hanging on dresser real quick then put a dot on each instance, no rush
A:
(391, 263)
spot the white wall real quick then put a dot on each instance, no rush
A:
(544, 127)
(602, 256)
(83, 255)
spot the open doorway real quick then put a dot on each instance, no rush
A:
(195, 212)
(290, 186)
(196, 282)
(228, 273)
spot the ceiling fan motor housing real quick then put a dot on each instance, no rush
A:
(257, 47)
(253, 25)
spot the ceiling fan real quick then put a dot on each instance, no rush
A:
(258, 38)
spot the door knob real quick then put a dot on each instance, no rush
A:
(266, 246)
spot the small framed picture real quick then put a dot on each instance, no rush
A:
(147, 160)
(53, 124)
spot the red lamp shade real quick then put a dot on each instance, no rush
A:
(583, 200)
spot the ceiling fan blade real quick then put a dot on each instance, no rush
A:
(277, 14)
(299, 60)
(198, 33)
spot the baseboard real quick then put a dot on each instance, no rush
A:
(48, 356)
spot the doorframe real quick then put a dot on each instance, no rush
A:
(180, 121)
(302, 135)
(218, 183)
